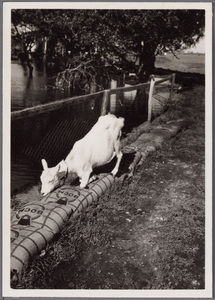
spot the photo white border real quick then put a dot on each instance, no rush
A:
(7, 291)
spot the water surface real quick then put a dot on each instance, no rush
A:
(29, 91)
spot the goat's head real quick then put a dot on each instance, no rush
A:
(51, 178)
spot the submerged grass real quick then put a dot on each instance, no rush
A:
(147, 233)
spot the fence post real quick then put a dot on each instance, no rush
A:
(172, 87)
(105, 101)
(150, 100)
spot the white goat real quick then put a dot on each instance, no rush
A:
(97, 148)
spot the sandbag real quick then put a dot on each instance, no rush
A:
(36, 224)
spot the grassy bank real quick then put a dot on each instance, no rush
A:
(193, 63)
(147, 233)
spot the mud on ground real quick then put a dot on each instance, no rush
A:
(147, 233)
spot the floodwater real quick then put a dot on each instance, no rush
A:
(52, 135)
(29, 91)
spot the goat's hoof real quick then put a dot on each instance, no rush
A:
(84, 187)
(93, 178)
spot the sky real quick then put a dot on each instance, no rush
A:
(200, 47)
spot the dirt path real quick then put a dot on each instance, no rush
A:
(143, 234)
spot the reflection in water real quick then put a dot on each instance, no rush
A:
(29, 91)
(52, 135)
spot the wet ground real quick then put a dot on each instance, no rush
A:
(144, 233)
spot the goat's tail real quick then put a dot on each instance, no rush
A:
(121, 122)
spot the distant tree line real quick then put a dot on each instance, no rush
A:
(95, 40)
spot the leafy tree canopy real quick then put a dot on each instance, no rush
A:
(119, 38)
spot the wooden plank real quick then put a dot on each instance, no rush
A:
(172, 87)
(137, 86)
(129, 88)
(159, 76)
(163, 80)
(105, 101)
(150, 99)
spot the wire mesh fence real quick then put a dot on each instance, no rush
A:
(51, 134)
(162, 93)
(131, 104)
(50, 131)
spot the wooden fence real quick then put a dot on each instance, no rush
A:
(161, 81)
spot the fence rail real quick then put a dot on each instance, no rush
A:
(78, 99)
(28, 112)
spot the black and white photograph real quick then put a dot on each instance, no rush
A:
(107, 149)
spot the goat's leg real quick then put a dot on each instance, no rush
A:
(84, 179)
(92, 178)
(118, 155)
(116, 168)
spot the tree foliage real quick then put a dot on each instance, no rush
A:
(147, 33)
(111, 38)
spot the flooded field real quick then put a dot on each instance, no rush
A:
(29, 91)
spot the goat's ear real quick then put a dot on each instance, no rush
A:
(44, 163)
(58, 167)
(61, 166)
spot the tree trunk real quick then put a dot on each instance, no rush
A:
(45, 41)
(28, 63)
(25, 55)
(146, 64)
